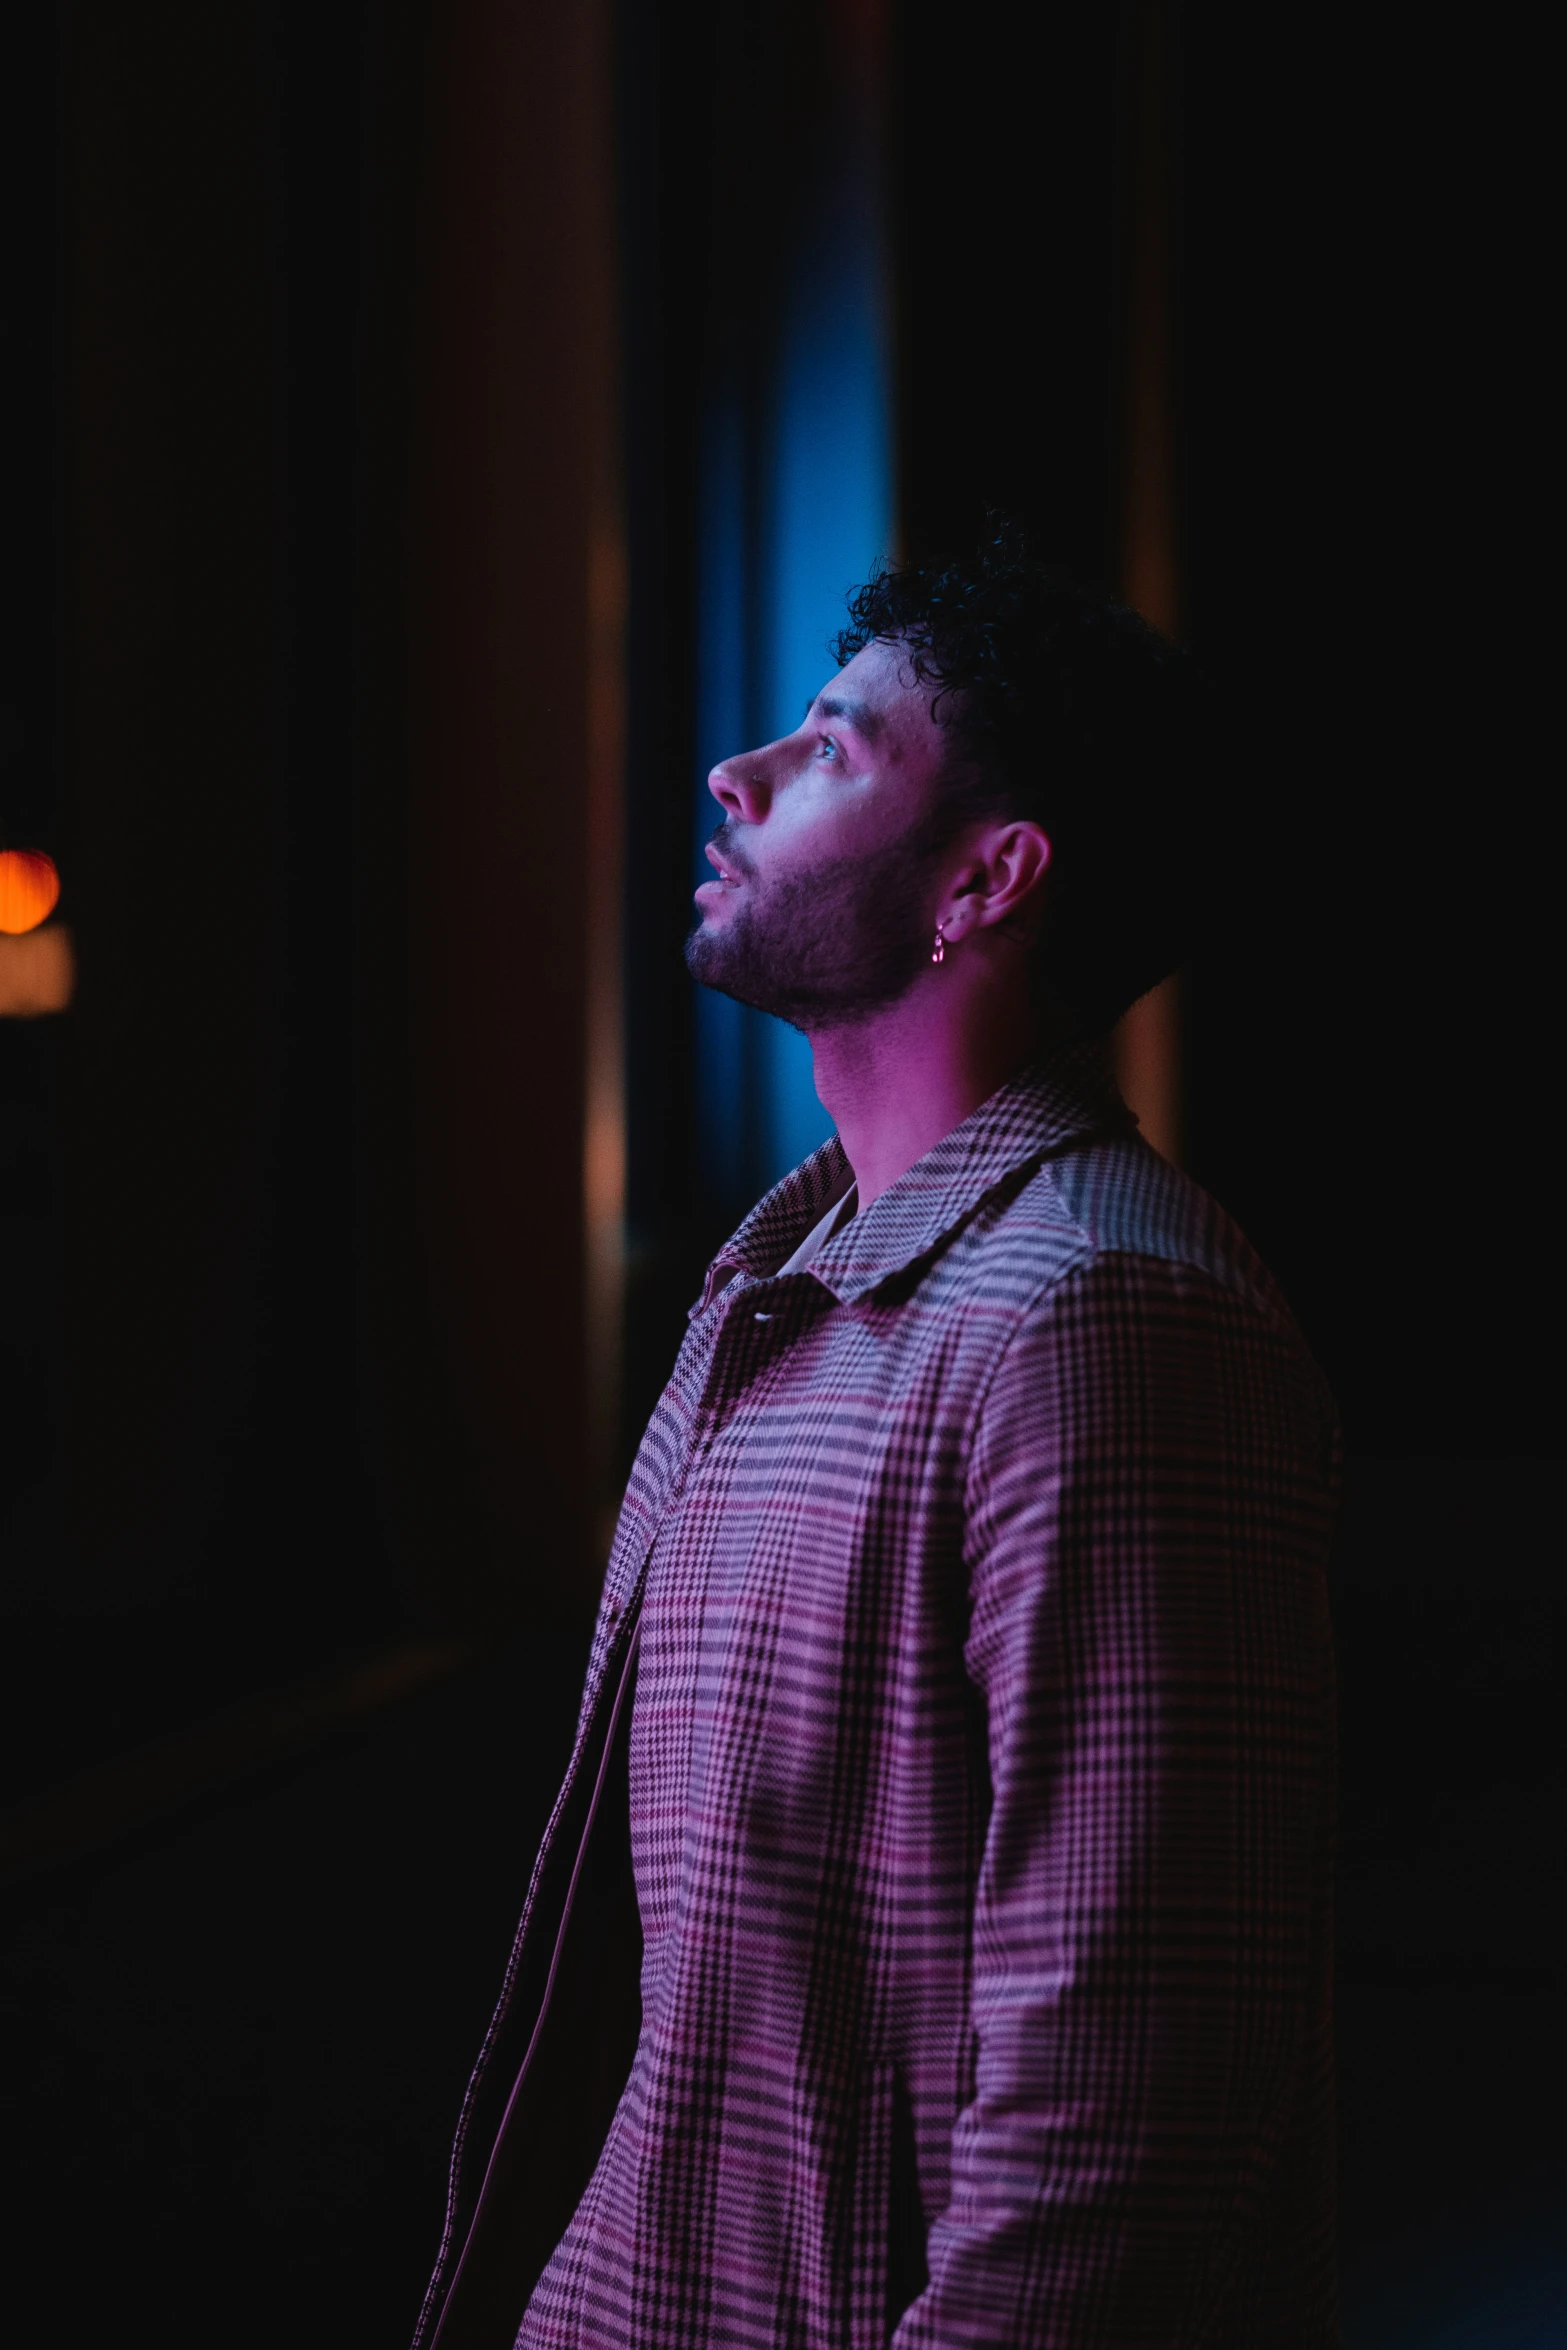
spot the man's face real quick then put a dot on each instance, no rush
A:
(828, 856)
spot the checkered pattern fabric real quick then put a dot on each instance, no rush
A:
(981, 1779)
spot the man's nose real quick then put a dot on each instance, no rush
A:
(740, 790)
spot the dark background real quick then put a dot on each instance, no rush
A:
(311, 316)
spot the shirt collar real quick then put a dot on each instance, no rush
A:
(1051, 1106)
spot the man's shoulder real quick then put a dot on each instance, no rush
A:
(1108, 1272)
(1100, 1203)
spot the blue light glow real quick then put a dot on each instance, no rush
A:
(797, 510)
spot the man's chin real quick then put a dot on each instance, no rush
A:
(719, 960)
(705, 956)
(712, 961)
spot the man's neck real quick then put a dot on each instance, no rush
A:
(896, 1083)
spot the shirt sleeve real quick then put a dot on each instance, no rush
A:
(1149, 1504)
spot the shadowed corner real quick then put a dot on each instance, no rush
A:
(1501, 2287)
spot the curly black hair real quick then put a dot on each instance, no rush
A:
(1070, 710)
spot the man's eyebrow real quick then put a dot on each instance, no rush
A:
(864, 720)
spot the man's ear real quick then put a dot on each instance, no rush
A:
(1002, 880)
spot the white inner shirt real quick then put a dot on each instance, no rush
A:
(817, 1238)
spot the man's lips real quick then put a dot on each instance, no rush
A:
(731, 876)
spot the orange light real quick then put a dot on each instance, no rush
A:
(37, 973)
(29, 889)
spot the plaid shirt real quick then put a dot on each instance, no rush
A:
(980, 1773)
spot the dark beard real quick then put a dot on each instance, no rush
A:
(823, 949)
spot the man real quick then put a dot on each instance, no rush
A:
(961, 1695)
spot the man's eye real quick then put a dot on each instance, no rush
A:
(826, 747)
